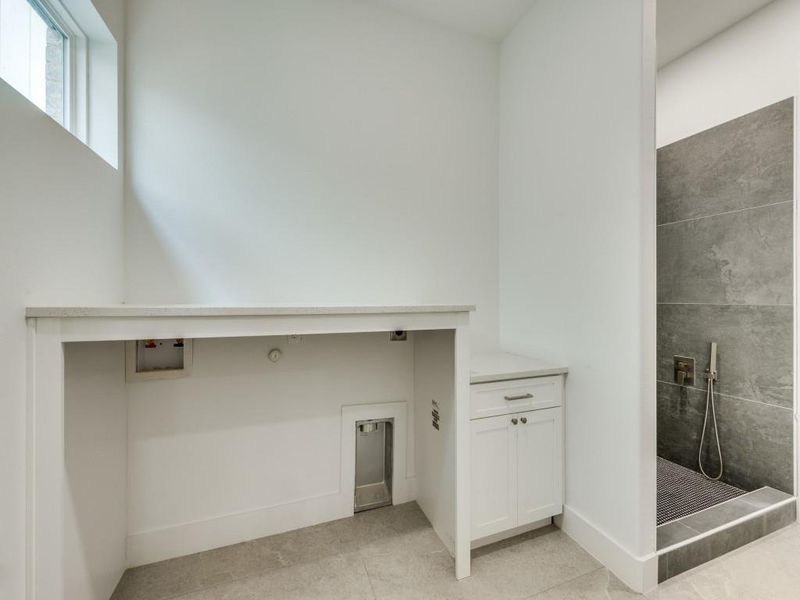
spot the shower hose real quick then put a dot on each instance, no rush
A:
(710, 407)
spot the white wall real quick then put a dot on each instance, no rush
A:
(96, 448)
(747, 67)
(61, 242)
(577, 252)
(245, 447)
(309, 151)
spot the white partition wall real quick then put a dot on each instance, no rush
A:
(96, 482)
(577, 253)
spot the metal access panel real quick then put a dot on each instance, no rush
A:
(374, 464)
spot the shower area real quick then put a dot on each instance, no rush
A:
(725, 214)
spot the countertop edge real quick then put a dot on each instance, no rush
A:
(510, 376)
(140, 311)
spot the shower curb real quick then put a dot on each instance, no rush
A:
(704, 546)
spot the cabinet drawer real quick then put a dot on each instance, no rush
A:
(504, 397)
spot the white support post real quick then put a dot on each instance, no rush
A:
(462, 457)
(46, 462)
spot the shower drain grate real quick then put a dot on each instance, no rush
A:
(682, 492)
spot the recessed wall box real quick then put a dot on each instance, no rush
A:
(158, 359)
(374, 463)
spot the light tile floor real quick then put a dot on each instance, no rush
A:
(393, 553)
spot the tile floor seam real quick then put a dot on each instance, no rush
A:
(724, 213)
(728, 396)
(565, 582)
(726, 304)
(369, 578)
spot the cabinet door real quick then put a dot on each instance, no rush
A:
(539, 465)
(494, 475)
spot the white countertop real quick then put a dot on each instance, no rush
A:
(501, 366)
(193, 310)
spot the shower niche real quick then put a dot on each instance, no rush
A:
(374, 464)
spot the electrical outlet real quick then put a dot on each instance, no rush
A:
(398, 335)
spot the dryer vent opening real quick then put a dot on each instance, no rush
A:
(374, 463)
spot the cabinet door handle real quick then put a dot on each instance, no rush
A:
(524, 420)
(514, 421)
(520, 397)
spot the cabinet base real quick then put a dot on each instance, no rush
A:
(509, 533)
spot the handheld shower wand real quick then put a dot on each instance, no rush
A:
(712, 364)
(711, 376)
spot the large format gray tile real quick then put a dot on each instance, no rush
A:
(743, 163)
(708, 548)
(523, 566)
(756, 438)
(340, 577)
(600, 584)
(764, 570)
(717, 544)
(162, 580)
(719, 515)
(735, 258)
(780, 517)
(672, 533)
(419, 577)
(754, 353)
(515, 568)
(765, 497)
(393, 553)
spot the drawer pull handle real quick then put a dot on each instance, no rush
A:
(524, 420)
(514, 421)
(520, 397)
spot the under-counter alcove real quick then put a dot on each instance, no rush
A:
(245, 447)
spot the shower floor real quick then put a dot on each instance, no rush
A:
(682, 492)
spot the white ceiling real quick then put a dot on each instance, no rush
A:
(682, 24)
(492, 19)
(685, 24)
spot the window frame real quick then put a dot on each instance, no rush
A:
(56, 15)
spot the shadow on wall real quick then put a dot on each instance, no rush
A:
(725, 275)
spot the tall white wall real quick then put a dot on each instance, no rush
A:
(96, 455)
(577, 249)
(61, 242)
(749, 66)
(309, 151)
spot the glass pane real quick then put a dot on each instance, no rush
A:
(32, 56)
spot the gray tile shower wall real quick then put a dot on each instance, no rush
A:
(743, 257)
(755, 347)
(756, 438)
(725, 275)
(743, 163)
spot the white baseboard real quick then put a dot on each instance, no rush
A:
(640, 573)
(187, 538)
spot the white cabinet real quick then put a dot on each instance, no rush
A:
(494, 476)
(503, 397)
(539, 465)
(517, 459)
